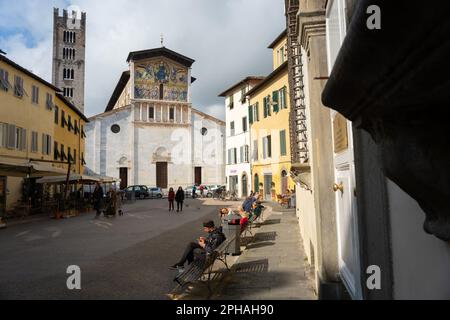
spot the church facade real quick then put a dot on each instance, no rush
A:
(150, 134)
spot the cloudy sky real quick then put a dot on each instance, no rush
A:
(227, 38)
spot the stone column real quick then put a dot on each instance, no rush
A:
(312, 37)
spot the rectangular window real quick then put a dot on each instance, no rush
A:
(256, 112)
(34, 142)
(151, 113)
(56, 154)
(18, 87)
(246, 154)
(232, 129)
(255, 150)
(267, 147)
(283, 147)
(172, 114)
(49, 102)
(250, 114)
(3, 134)
(46, 144)
(20, 139)
(4, 81)
(63, 154)
(231, 104)
(241, 154)
(235, 156)
(266, 103)
(244, 124)
(69, 122)
(35, 95)
(283, 101)
(76, 128)
(243, 94)
(264, 141)
(11, 136)
(63, 119)
(69, 155)
(56, 115)
(275, 101)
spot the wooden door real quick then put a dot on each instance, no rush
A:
(123, 178)
(198, 175)
(162, 179)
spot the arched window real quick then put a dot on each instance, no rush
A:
(161, 92)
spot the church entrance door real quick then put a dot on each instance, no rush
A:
(162, 179)
(123, 178)
(198, 176)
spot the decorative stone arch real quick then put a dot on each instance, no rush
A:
(161, 154)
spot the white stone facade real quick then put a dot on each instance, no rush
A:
(145, 133)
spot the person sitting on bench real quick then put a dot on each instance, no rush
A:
(198, 250)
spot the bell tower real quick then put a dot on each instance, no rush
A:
(69, 51)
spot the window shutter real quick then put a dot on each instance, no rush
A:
(269, 112)
(275, 101)
(257, 111)
(23, 142)
(242, 154)
(250, 115)
(269, 146)
(11, 136)
(283, 143)
(49, 145)
(265, 107)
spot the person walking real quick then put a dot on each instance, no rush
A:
(179, 198)
(171, 200)
(194, 192)
(202, 191)
(98, 199)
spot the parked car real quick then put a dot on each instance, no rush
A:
(155, 192)
(140, 192)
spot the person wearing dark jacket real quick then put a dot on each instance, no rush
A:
(98, 199)
(199, 250)
(171, 198)
(179, 198)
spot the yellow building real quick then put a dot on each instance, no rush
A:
(269, 120)
(38, 126)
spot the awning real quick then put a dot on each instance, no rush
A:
(74, 178)
(30, 169)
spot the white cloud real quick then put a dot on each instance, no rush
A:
(227, 38)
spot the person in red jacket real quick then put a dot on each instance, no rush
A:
(171, 200)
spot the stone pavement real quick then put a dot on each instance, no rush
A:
(272, 266)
